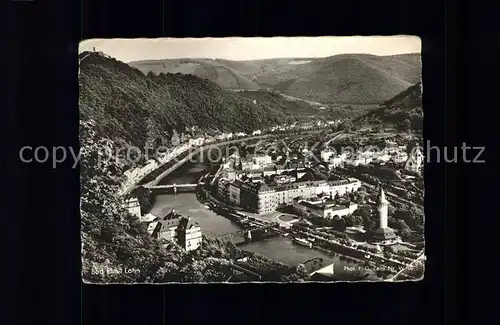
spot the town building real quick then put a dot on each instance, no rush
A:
(179, 229)
(256, 179)
(234, 192)
(383, 158)
(256, 132)
(326, 154)
(264, 198)
(357, 160)
(133, 206)
(223, 188)
(323, 208)
(283, 179)
(335, 162)
(257, 161)
(199, 141)
(399, 157)
(415, 161)
(189, 235)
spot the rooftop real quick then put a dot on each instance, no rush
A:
(328, 204)
(173, 220)
(272, 187)
(187, 223)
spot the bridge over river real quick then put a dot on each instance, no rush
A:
(173, 188)
(176, 163)
(246, 233)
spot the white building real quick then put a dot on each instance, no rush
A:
(261, 160)
(415, 161)
(326, 154)
(284, 179)
(133, 207)
(322, 187)
(197, 142)
(324, 208)
(189, 234)
(359, 160)
(257, 132)
(335, 162)
(400, 157)
(178, 229)
(344, 186)
(383, 157)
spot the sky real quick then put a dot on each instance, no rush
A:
(255, 48)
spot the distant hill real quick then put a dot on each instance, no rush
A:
(339, 79)
(213, 70)
(134, 107)
(403, 111)
(226, 73)
(348, 79)
(304, 109)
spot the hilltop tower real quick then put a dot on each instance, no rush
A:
(383, 233)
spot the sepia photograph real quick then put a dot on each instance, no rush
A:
(236, 160)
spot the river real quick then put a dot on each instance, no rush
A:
(278, 248)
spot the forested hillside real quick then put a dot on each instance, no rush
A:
(339, 79)
(119, 106)
(403, 111)
(348, 78)
(135, 108)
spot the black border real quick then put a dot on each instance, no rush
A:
(44, 250)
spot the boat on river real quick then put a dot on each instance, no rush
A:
(302, 242)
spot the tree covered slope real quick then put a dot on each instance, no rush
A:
(135, 107)
(403, 111)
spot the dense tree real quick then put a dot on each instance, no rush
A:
(346, 125)
(339, 224)
(353, 220)
(405, 125)
(369, 224)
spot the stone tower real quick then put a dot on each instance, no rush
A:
(383, 233)
(382, 208)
